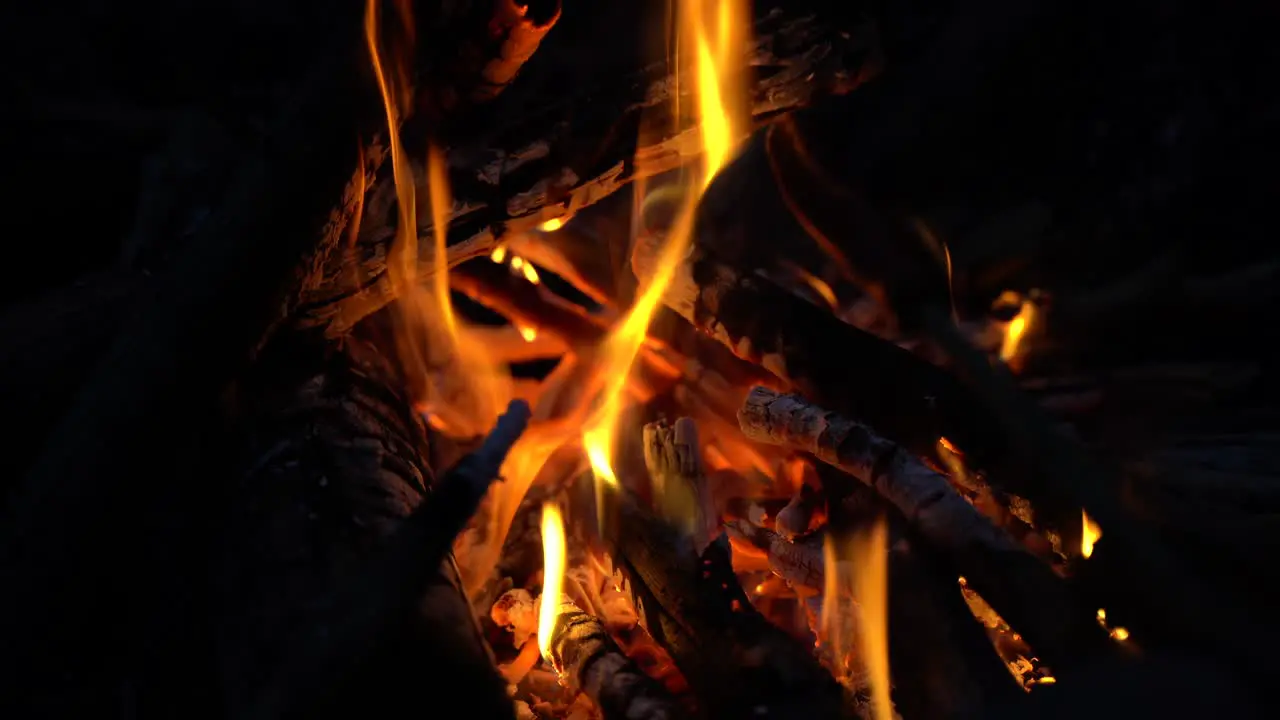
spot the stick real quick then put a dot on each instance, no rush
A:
(587, 658)
(1026, 592)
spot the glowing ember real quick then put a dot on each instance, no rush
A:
(551, 225)
(553, 564)
(1016, 331)
(1089, 534)
(499, 254)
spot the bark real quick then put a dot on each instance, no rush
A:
(339, 593)
(588, 659)
(1020, 587)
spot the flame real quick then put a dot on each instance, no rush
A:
(1016, 330)
(552, 225)
(832, 582)
(867, 582)
(553, 563)
(528, 332)
(717, 31)
(871, 588)
(1090, 533)
(485, 389)
(499, 254)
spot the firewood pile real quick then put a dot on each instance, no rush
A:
(753, 366)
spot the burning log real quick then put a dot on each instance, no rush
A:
(588, 660)
(544, 176)
(1025, 591)
(910, 400)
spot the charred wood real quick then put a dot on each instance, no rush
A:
(589, 660)
(1024, 590)
(339, 591)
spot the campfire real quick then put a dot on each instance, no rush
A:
(654, 400)
(673, 507)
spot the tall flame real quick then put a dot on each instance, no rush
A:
(865, 578)
(716, 30)
(402, 260)
(871, 588)
(553, 566)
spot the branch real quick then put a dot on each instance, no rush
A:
(909, 399)
(1026, 592)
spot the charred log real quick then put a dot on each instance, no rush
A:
(588, 659)
(339, 590)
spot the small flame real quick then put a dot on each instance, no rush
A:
(499, 254)
(1016, 331)
(953, 460)
(1090, 533)
(528, 332)
(551, 225)
(553, 566)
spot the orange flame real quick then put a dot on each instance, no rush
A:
(871, 588)
(865, 578)
(403, 256)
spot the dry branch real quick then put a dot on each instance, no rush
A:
(588, 659)
(1026, 592)
(502, 189)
